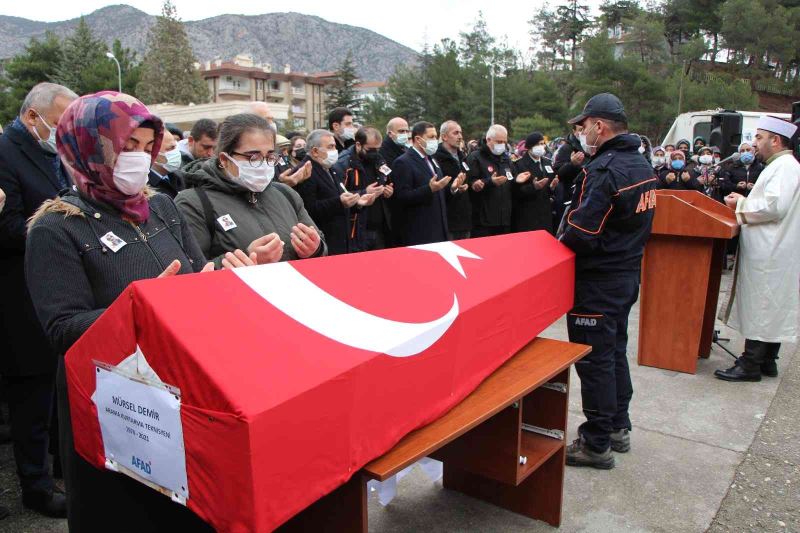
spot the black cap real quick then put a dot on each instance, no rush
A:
(603, 105)
(533, 139)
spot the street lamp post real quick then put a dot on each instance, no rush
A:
(491, 77)
(119, 70)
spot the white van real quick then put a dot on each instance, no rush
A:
(698, 123)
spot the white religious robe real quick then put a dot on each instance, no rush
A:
(766, 295)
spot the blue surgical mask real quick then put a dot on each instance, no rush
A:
(331, 159)
(173, 160)
(746, 158)
(678, 164)
(401, 139)
(48, 144)
(431, 145)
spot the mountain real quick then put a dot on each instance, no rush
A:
(307, 43)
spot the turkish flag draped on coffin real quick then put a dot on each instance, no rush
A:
(295, 375)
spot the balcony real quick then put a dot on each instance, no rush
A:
(298, 92)
(298, 110)
(237, 91)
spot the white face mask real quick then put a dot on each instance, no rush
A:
(401, 139)
(131, 172)
(349, 133)
(706, 159)
(331, 158)
(48, 144)
(173, 160)
(254, 179)
(537, 151)
(658, 160)
(498, 149)
(431, 145)
(588, 148)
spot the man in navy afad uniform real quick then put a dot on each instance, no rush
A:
(607, 226)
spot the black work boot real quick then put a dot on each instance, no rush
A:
(738, 372)
(748, 365)
(621, 440)
(769, 368)
(579, 454)
(49, 503)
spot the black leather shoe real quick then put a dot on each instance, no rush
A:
(52, 504)
(579, 454)
(770, 368)
(737, 373)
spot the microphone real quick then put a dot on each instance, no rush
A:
(733, 157)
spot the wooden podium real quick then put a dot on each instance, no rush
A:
(681, 273)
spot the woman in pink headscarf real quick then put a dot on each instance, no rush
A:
(84, 248)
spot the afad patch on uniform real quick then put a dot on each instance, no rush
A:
(590, 322)
(646, 202)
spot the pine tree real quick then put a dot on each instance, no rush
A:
(84, 61)
(130, 67)
(39, 62)
(573, 21)
(168, 73)
(343, 92)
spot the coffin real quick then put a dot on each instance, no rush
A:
(288, 378)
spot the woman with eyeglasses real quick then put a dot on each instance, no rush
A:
(237, 205)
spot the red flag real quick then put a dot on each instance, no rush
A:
(293, 376)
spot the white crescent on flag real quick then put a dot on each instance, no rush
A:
(296, 296)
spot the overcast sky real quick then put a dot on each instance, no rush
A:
(432, 20)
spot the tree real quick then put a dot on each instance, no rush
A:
(343, 92)
(639, 86)
(39, 62)
(523, 126)
(710, 93)
(680, 23)
(614, 12)
(645, 38)
(168, 72)
(573, 21)
(84, 67)
(546, 40)
(130, 67)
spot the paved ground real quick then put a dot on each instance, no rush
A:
(706, 454)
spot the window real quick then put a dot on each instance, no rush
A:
(274, 86)
(702, 129)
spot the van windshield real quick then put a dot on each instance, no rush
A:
(702, 129)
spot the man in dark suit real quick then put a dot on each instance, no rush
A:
(30, 173)
(166, 176)
(420, 189)
(325, 195)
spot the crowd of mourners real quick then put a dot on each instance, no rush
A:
(97, 192)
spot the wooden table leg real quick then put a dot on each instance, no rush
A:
(343, 510)
(539, 496)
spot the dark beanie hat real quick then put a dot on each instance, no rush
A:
(533, 139)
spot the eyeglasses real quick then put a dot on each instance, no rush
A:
(256, 159)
